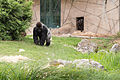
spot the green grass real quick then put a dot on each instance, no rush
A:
(31, 70)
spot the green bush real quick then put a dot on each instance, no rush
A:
(15, 17)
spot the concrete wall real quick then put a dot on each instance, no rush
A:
(98, 17)
(35, 17)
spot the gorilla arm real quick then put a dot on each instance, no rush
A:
(48, 39)
(44, 36)
(35, 36)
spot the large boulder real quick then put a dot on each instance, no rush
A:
(115, 48)
(86, 46)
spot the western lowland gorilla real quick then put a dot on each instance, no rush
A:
(41, 34)
(80, 24)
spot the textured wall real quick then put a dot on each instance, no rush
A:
(35, 17)
(99, 18)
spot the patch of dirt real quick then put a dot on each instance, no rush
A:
(79, 33)
(76, 33)
(117, 41)
(67, 29)
(13, 59)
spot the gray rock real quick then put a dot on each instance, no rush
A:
(64, 62)
(79, 63)
(60, 62)
(115, 48)
(86, 46)
(87, 63)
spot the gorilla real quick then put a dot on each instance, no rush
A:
(41, 34)
(80, 24)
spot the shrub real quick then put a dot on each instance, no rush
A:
(15, 17)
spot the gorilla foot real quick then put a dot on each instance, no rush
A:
(48, 43)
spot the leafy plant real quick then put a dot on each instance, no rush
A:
(15, 17)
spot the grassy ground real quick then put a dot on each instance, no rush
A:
(59, 49)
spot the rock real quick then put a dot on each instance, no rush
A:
(13, 59)
(64, 62)
(55, 63)
(67, 29)
(79, 63)
(21, 50)
(86, 46)
(115, 48)
(59, 62)
(87, 63)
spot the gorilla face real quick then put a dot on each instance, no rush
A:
(39, 30)
(39, 27)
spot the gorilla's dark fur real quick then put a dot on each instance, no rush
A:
(41, 34)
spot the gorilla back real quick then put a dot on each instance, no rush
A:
(41, 34)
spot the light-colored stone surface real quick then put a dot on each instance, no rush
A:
(35, 17)
(13, 59)
(87, 63)
(86, 46)
(115, 48)
(21, 50)
(98, 18)
(79, 63)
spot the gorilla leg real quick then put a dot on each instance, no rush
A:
(36, 40)
(35, 37)
(42, 40)
(47, 41)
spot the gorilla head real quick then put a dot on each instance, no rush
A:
(39, 27)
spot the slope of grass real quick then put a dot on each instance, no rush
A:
(59, 49)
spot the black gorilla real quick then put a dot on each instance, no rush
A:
(41, 34)
(80, 24)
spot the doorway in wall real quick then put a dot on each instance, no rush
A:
(80, 23)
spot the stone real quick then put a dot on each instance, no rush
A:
(59, 62)
(55, 63)
(64, 62)
(21, 50)
(86, 46)
(13, 59)
(78, 63)
(115, 48)
(87, 63)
